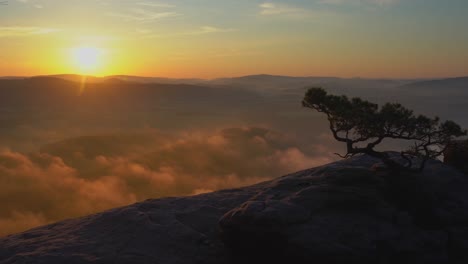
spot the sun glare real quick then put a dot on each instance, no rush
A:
(87, 60)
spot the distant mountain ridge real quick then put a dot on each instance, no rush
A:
(450, 86)
(273, 81)
(459, 81)
(129, 78)
(253, 77)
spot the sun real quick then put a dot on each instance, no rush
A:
(87, 60)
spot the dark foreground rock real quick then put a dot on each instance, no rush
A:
(345, 212)
(456, 155)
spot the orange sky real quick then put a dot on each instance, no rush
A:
(372, 38)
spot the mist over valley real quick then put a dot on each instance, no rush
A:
(71, 148)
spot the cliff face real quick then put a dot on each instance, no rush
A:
(345, 212)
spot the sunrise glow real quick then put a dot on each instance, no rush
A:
(180, 39)
(87, 60)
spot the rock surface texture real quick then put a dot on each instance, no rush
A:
(345, 212)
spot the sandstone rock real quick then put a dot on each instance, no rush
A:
(352, 214)
(345, 212)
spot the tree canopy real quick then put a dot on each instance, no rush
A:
(362, 125)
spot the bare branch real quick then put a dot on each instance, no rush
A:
(354, 121)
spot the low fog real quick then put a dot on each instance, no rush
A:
(69, 149)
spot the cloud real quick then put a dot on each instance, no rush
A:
(39, 188)
(200, 31)
(22, 220)
(209, 30)
(19, 31)
(373, 2)
(34, 3)
(159, 5)
(143, 15)
(84, 175)
(270, 9)
(280, 9)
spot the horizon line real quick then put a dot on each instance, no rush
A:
(230, 77)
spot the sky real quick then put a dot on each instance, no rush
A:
(220, 38)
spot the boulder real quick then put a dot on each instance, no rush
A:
(348, 213)
(344, 212)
